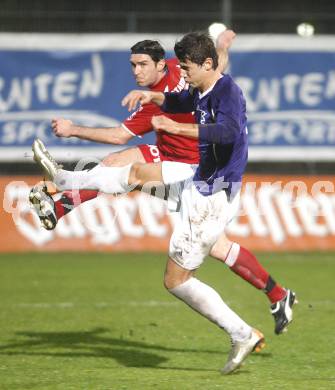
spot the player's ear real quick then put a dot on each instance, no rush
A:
(161, 65)
(208, 64)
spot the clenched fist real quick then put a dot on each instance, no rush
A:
(62, 127)
(225, 39)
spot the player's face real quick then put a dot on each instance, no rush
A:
(146, 71)
(192, 73)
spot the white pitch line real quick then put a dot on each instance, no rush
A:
(69, 305)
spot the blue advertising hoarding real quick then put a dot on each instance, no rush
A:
(291, 102)
(289, 84)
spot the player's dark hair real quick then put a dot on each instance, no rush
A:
(151, 48)
(196, 47)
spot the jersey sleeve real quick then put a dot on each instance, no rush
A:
(139, 122)
(227, 126)
(176, 102)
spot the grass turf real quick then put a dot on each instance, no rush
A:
(101, 321)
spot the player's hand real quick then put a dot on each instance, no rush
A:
(225, 39)
(62, 127)
(135, 97)
(163, 123)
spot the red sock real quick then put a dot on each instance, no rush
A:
(245, 264)
(71, 199)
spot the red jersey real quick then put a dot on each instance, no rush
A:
(171, 147)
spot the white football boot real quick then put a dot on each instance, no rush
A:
(241, 349)
(44, 159)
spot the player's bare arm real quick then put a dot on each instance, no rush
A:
(163, 123)
(223, 43)
(111, 135)
(138, 97)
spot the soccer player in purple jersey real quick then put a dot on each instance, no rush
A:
(209, 199)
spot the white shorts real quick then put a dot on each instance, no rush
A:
(175, 174)
(203, 220)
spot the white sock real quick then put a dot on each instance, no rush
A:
(110, 180)
(206, 301)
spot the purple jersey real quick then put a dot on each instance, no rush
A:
(223, 142)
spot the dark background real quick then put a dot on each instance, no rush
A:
(169, 16)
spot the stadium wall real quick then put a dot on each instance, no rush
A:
(277, 213)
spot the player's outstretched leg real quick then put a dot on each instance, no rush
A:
(69, 200)
(110, 180)
(48, 210)
(282, 312)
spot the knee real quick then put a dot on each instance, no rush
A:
(171, 280)
(117, 159)
(134, 177)
(112, 160)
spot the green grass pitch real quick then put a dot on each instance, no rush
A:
(104, 321)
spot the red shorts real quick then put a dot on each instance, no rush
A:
(151, 153)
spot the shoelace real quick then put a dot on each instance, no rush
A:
(52, 159)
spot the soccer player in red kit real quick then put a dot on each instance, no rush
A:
(152, 70)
